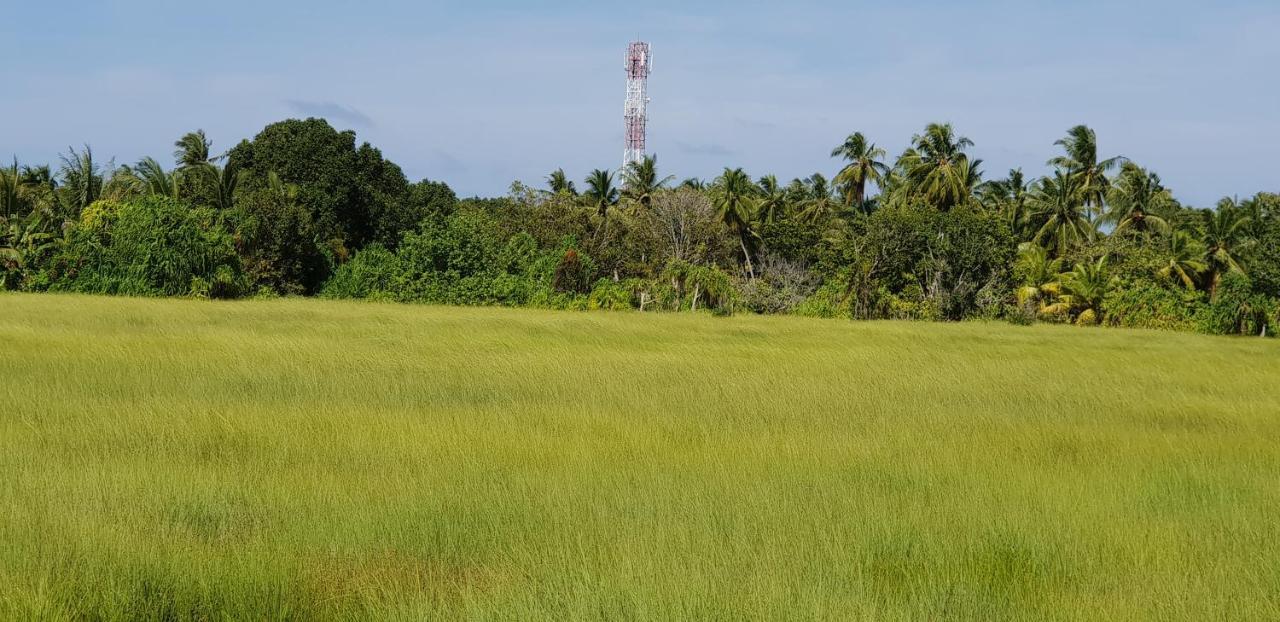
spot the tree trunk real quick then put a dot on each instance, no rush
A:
(742, 239)
(694, 306)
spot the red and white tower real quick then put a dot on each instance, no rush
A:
(635, 111)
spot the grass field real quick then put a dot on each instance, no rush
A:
(300, 459)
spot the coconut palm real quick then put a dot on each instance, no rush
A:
(640, 180)
(1084, 289)
(1041, 275)
(156, 181)
(82, 179)
(1058, 214)
(1135, 201)
(735, 199)
(863, 166)
(1008, 197)
(817, 200)
(1223, 233)
(10, 181)
(936, 168)
(192, 150)
(559, 183)
(1181, 259)
(601, 193)
(1080, 160)
(773, 198)
(694, 183)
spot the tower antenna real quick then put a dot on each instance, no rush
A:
(639, 64)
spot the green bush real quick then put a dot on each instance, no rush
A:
(152, 246)
(1144, 304)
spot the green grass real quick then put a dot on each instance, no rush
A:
(300, 459)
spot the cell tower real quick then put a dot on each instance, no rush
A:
(634, 112)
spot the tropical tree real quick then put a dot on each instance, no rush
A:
(9, 195)
(1008, 197)
(601, 193)
(1181, 259)
(82, 180)
(863, 165)
(1223, 232)
(192, 150)
(1080, 160)
(817, 200)
(156, 181)
(559, 183)
(773, 198)
(1058, 213)
(1040, 274)
(936, 168)
(1135, 201)
(735, 199)
(640, 180)
(1084, 289)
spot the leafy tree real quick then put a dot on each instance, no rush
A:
(1080, 161)
(353, 195)
(863, 165)
(277, 240)
(735, 199)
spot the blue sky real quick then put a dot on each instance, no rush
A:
(479, 94)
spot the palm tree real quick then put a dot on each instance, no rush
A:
(938, 170)
(9, 184)
(1041, 275)
(559, 183)
(601, 194)
(864, 165)
(773, 198)
(1008, 197)
(694, 183)
(81, 179)
(1135, 198)
(640, 180)
(1181, 259)
(817, 202)
(1080, 160)
(226, 180)
(1085, 288)
(156, 181)
(192, 150)
(1223, 230)
(1057, 211)
(735, 199)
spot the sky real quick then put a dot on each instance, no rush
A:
(480, 94)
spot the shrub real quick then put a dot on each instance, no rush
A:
(153, 246)
(1144, 304)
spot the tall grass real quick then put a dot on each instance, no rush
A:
(300, 459)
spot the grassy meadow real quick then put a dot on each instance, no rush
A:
(303, 459)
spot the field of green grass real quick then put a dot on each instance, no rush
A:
(301, 459)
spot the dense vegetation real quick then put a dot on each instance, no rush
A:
(322, 460)
(302, 209)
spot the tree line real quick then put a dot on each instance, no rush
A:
(302, 209)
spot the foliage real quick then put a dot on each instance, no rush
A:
(152, 246)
